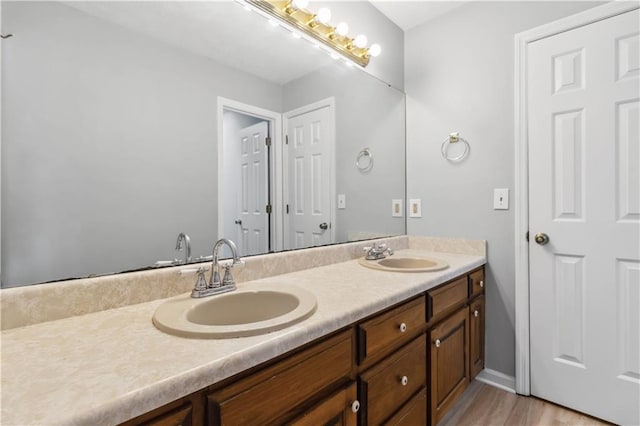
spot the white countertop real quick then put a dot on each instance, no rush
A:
(110, 366)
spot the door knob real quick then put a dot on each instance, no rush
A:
(541, 238)
(238, 221)
(324, 226)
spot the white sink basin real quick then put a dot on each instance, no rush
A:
(406, 264)
(244, 312)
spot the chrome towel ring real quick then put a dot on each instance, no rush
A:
(364, 161)
(454, 138)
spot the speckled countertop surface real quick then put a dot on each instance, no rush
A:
(110, 366)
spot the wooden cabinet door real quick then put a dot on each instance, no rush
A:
(339, 409)
(476, 337)
(449, 362)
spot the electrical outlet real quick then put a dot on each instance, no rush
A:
(415, 207)
(342, 201)
(501, 199)
(396, 208)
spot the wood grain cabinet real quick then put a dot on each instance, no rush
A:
(405, 365)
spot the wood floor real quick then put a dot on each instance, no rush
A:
(482, 404)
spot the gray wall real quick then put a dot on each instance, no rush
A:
(370, 114)
(459, 77)
(74, 140)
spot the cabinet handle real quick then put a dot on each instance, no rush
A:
(403, 327)
(404, 380)
(355, 406)
(437, 343)
(481, 284)
(476, 313)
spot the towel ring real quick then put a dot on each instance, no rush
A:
(454, 138)
(362, 164)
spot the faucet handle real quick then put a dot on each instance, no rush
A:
(228, 279)
(201, 282)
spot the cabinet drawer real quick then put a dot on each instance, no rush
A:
(392, 382)
(277, 390)
(444, 298)
(413, 412)
(390, 329)
(476, 283)
(336, 410)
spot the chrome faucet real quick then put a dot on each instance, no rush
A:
(377, 252)
(184, 239)
(217, 286)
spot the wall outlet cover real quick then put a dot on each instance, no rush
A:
(415, 207)
(396, 208)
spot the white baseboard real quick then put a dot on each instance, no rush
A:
(497, 379)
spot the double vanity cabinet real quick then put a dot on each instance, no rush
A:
(405, 365)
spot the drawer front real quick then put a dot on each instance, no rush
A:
(443, 299)
(179, 417)
(277, 390)
(392, 382)
(391, 328)
(339, 409)
(413, 412)
(476, 283)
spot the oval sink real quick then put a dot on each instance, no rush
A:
(245, 312)
(406, 264)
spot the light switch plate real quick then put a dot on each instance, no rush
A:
(501, 199)
(415, 207)
(342, 201)
(396, 208)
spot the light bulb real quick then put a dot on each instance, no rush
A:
(342, 29)
(360, 41)
(300, 4)
(323, 16)
(375, 50)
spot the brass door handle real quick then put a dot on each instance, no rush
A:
(541, 238)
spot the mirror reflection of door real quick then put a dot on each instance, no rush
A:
(309, 181)
(247, 192)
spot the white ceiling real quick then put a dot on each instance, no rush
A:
(409, 13)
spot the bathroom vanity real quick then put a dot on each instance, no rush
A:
(404, 365)
(382, 346)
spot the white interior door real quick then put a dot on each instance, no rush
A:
(584, 193)
(309, 184)
(252, 219)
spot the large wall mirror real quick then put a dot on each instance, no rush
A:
(125, 124)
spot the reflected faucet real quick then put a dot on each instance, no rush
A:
(184, 239)
(227, 280)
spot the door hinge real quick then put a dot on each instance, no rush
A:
(267, 141)
(527, 236)
(287, 207)
(268, 208)
(286, 139)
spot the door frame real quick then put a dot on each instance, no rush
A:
(275, 130)
(521, 204)
(327, 102)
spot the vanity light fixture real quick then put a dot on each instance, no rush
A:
(316, 27)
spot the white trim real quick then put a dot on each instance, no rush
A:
(328, 102)
(275, 123)
(521, 200)
(497, 379)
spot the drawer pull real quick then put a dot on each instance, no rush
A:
(481, 284)
(437, 343)
(355, 406)
(403, 327)
(476, 313)
(404, 380)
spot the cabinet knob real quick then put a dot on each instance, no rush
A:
(403, 327)
(355, 406)
(476, 313)
(481, 284)
(404, 380)
(437, 343)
